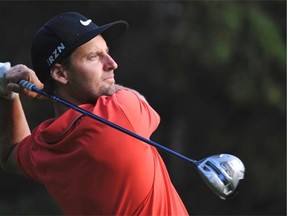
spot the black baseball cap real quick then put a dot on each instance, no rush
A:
(62, 34)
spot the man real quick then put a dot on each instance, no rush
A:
(88, 167)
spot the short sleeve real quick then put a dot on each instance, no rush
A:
(141, 116)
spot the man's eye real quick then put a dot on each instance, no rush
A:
(94, 57)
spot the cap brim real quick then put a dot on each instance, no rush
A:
(113, 30)
(109, 31)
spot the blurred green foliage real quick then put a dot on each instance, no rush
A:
(214, 70)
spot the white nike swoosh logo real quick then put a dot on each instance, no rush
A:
(85, 23)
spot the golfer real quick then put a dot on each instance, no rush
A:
(87, 166)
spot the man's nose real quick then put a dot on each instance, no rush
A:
(109, 63)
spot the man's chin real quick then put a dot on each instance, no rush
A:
(109, 91)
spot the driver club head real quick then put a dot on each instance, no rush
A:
(222, 173)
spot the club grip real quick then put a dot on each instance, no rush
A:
(27, 85)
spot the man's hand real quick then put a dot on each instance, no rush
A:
(22, 72)
(9, 95)
(13, 124)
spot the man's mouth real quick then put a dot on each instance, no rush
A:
(109, 79)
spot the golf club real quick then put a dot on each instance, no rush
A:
(222, 173)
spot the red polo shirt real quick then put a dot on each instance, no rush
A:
(91, 168)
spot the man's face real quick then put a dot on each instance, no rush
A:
(91, 73)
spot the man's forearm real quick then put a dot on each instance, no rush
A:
(13, 127)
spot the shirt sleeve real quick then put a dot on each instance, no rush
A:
(23, 157)
(141, 116)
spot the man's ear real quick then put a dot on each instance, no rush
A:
(59, 74)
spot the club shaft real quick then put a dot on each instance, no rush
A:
(27, 85)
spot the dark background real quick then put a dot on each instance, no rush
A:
(214, 70)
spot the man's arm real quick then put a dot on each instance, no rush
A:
(118, 87)
(13, 124)
(13, 129)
